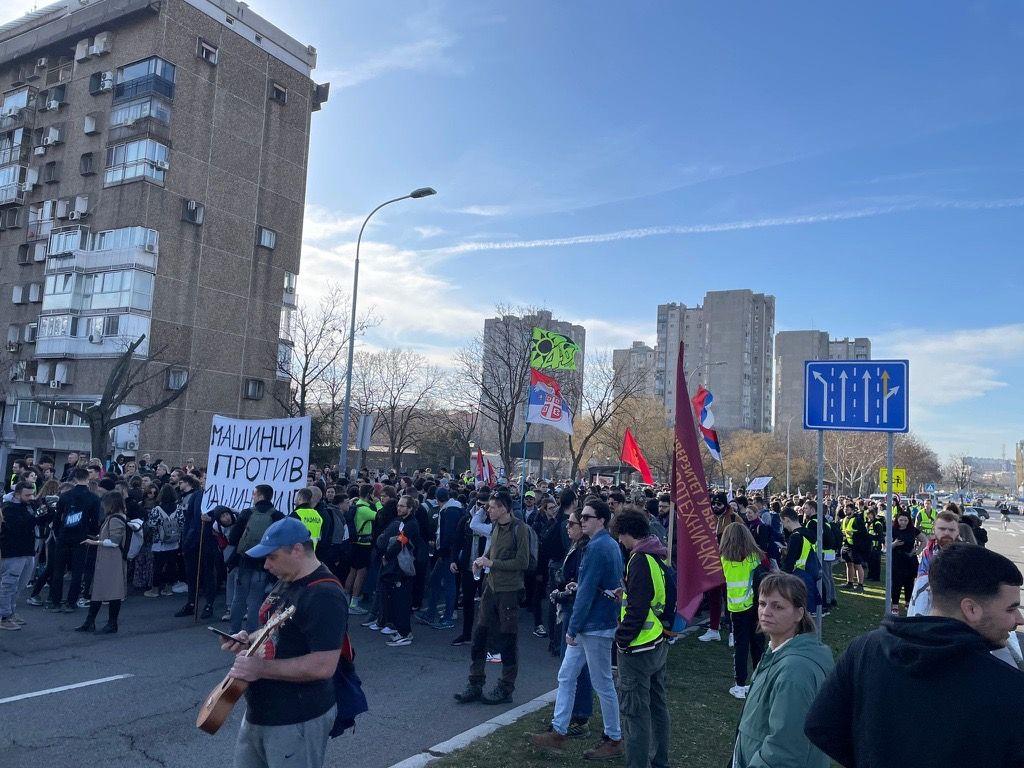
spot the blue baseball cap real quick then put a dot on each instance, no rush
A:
(283, 533)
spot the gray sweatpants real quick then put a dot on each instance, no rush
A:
(302, 745)
(15, 573)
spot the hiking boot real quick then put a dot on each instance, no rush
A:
(36, 601)
(578, 729)
(185, 610)
(499, 694)
(552, 741)
(472, 693)
(607, 749)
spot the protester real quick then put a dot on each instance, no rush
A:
(589, 636)
(110, 578)
(789, 676)
(77, 518)
(364, 513)
(251, 580)
(165, 526)
(506, 559)
(856, 547)
(801, 558)
(919, 665)
(945, 533)
(464, 552)
(742, 562)
(441, 584)
(906, 542)
(402, 534)
(17, 553)
(640, 643)
(724, 517)
(198, 547)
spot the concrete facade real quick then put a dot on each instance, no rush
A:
(850, 349)
(187, 173)
(677, 322)
(792, 350)
(630, 364)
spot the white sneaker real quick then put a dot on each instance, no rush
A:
(711, 634)
(373, 626)
(399, 640)
(732, 640)
(179, 588)
(389, 631)
(494, 658)
(739, 691)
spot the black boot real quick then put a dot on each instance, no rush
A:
(108, 629)
(113, 609)
(500, 694)
(89, 625)
(472, 693)
(187, 610)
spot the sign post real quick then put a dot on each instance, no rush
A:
(859, 396)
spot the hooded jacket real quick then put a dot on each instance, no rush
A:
(639, 591)
(771, 729)
(937, 671)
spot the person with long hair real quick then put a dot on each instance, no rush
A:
(907, 541)
(742, 560)
(793, 669)
(164, 523)
(110, 577)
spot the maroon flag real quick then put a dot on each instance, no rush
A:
(698, 561)
(632, 455)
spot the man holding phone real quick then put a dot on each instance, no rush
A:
(291, 677)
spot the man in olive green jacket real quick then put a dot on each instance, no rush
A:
(771, 732)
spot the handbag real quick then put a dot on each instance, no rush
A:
(406, 559)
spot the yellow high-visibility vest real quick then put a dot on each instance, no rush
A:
(313, 522)
(652, 628)
(739, 582)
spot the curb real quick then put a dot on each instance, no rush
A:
(464, 739)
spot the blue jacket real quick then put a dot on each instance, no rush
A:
(191, 523)
(447, 529)
(601, 569)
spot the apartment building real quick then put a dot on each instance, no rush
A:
(152, 182)
(635, 364)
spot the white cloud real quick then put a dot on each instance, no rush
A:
(426, 232)
(484, 210)
(320, 224)
(428, 53)
(728, 226)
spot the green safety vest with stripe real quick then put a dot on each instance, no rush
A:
(848, 522)
(652, 629)
(926, 521)
(739, 583)
(805, 552)
(313, 521)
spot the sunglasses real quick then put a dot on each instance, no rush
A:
(570, 523)
(588, 517)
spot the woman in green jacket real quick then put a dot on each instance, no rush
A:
(771, 731)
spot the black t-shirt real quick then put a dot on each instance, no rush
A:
(908, 536)
(319, 624)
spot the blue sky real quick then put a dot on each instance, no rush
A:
(862, 162)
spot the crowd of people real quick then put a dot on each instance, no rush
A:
(588, 564)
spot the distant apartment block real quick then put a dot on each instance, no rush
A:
(635, 364)
(153, 164)
(849, 349)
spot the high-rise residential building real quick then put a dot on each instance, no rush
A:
(677, 322)
(152, 182)
(849, 349)
(792, 350)
(635, 364)
(740, 331)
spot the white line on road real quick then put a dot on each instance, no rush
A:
(32, 695)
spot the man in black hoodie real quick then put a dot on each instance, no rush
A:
(78, 517)
(920, 665)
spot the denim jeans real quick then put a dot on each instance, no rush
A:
(441, 578)
(249, 593)
(596, 653)
(15, 573)
(583, 707)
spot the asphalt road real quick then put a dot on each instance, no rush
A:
(148, 719)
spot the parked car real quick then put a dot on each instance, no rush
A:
(974, 509)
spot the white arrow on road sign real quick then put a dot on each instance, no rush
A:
(842, 396)
(824, 395)
(867, 396)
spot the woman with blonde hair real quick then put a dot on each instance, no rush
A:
(793, 669)
(742, 561)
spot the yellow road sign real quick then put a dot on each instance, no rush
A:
(899, 480)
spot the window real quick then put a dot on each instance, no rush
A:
(154, 65)
(65, 241)
(267, 238)
(85, 165)
(285, 331)
(192, 211)
(15, 100)
(206, 51)
(109, 324)
(40, 218)
(130, 111)
(13, 146)
(57, 325)
(51, 172)
(30, 332)
(34, 412)
(11, 218)
(125, 237)
(253, 389)
(278, 93)
(100, 82)
(290, 280)
(35, 292)
(142, 158)
(24, 253)
(17, 295)
(149, 76)
(176, 378)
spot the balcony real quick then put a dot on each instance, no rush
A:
(142, 128)
(25, 117)
(18, 153)
(80, 346)
(147, 85)
(136, 257)
(12, 194)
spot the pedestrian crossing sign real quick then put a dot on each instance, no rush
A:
(899, 480)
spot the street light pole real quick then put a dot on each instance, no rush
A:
(343, 452)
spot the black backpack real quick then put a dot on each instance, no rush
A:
(668, 614)
(126, 540)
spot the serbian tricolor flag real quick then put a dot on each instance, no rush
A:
(632, 455)
(546, 405)
(698, 562)
(492, 474)
(706, 419)
(481, 470)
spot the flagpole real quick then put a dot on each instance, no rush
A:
(522, 473)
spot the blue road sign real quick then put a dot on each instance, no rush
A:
(930, 487)
(858, 395)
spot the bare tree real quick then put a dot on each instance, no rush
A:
(958, 471)
(129, 384)
(319, 336)
(601, 393)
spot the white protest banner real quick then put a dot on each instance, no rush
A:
(248, 452)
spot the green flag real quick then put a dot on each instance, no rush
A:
(552, 351)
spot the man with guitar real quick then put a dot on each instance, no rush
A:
(290, 681)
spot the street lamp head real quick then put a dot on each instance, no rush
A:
(422, 192)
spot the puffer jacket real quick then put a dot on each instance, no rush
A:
(771, 731)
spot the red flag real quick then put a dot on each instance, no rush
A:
(480, 470)
(698, 561)
(632, 455)
(492, 474)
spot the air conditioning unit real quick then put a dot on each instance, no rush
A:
(42, 62)
(193, 205)
(26, 186)
(50, 140)
(163, 165)
(96, 337)
(74, 215)
(131, 445)
(54, 384)
(39, 151)
(53, 105)
(13, 346)
(150, 247)
(289, 289)
(89, 125)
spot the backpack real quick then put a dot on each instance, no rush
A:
(534, 544)
(340, 533)
(169, 527)
(406, 558)
(255, 527)
(127, 541)
(668, 613)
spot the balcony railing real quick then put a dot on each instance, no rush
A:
(147, 85)
(12, 194)
(85, 261)
(20, 118)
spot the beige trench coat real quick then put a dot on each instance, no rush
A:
(110, 579)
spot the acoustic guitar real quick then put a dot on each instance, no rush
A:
(222, 699)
